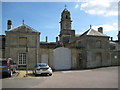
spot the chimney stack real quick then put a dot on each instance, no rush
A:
(46, 39)
(9, 24)
(57, 40)
(118, 35)
(111, 38)
(100, 29)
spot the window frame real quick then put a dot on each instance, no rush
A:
(22, 57)
(98, 44)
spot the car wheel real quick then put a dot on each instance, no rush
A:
(35, 73)
(14, 70)
(50, 74)
(10, 74)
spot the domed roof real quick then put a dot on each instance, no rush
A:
(65, 11)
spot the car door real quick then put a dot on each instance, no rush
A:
(12, 65)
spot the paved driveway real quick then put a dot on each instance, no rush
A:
(95, 78)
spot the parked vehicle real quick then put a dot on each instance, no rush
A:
(42, 68)
(7, 66)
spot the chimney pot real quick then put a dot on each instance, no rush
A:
(100, 29)
(111, 38)
(9, 24)
(46, 39)
(119, 36)
(57, 40)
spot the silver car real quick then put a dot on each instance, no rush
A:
(42, 68)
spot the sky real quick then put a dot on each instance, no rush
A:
(45, 16)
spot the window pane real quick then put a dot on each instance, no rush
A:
(22, 58)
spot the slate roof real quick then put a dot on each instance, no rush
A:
(92, 32)
(111, 42)
(47, 44)
(20, 28)
(77, 35)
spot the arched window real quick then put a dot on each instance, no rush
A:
(98, 44)
(66, 17)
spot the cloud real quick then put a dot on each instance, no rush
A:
(107, 27)
(100, 7)
(76, 6)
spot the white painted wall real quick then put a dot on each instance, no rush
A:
(62, 58)
(44, 58)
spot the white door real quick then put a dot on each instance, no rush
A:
(62, 58)
(44, 58)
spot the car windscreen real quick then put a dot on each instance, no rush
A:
(42, 65)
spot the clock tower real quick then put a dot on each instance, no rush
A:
(66, 33)
(65, 23)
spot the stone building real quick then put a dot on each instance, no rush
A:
(115, 51)
(2, 46)
(70, 51)
(22, 44)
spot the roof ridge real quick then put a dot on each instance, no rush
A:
(14, 27)
(21, 26)
(99, 32)
(92, 32)
(30, 28)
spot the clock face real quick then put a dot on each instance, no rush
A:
(67, 25)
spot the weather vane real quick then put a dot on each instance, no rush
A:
(90, 26)
(23, 22)
(65, 6)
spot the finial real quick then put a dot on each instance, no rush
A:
(65, 6)
(23, 22)
(90, 26)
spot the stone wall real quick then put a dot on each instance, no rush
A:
(2, 46)
(49, 53)
(74, 58)
(97, 55)
(114, 57)
(31, 48)
(93, 54)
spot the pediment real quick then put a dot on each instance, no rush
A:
(22, 28)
